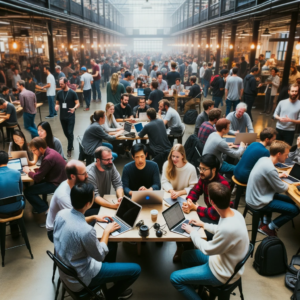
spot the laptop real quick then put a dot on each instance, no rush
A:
(147, 197)
(171, 201)
(174, 218)
(126, 216)
(143, 116)
(294, 175)
(138, 127)
(16, 164)
(245, 137)
(127, 127)
(22, 155)
(140, 92)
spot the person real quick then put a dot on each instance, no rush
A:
(265, 188)
(162, 84)
(208, 127)
(75, 79)
(9, 115)
(217, 146)
(172, 75)
(114, 89)
(208, 105)
(126, 80)
(218, 87)
(253, 153)
(140, 71)
(138, 84)
(67, 70)
(202, 72)
(261, 60)
(133, 100)
(243, 67)
(96, 80)
(16, 77)
(287, 114)
(70, 227)
(240, 120)
(5, 94)
(67, 101)
(37, 73)
(140, 108)
(194, 67)
(157, 135)
(233, 90)
(214, 261)
(177, 86)
(294, 153)
(59, 74)
(140, 174)
(86, 81)
(106, 71)
(102, 174)
(206, 79)
(182, 68)
(153, 73)
(123, 110)
(94, 135)
(164, 69)
(195, 92)
(111, 126)
(30, 84)
(155, 96)
(294, 74)
(250, 90)
(47, 178)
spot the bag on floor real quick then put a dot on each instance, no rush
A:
(292, 276)
(190, 117)
(270, 257)
(296, 293)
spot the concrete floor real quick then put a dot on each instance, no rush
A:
(23, 278)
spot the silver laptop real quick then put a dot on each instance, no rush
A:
(245, 137)
(174, 218)
(22, 155)
(16, 164)
(148, 197)
(143, 116)
(127, 127)
(138, 127)
(126, 216)
(294, 175)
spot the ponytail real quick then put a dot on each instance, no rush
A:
(96, 116)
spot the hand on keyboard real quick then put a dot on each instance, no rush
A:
(111, 227)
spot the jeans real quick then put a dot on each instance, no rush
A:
(249, 100)
(87, 97)
(68, 128)
(29, 124)
(285, 135)
(217, 100)
(123, 275)
(106, 77)
(227, 168)
(196, 272)
(110, 146)
(52, 111)
(32, 193)
(284, 205)
(230, 103)
(96, 87)
(268, 101)
(205, 87)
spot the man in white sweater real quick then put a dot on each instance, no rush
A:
(213, 263)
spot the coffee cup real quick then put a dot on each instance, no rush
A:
(154, 214)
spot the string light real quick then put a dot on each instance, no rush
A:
(230, 46)
(258, 46)
(198, 46)
(43, 46)
(218, 46)
(15, 45)
(82, 46)
(252, 46)
(206, 46)
(71, 46)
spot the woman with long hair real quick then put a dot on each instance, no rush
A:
(114, 89)
(111, 126)
(138, 84)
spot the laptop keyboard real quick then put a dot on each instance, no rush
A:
(292, 179)
(179, 229)
(123, 226)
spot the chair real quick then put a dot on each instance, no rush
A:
(223, 292)
(177, 136)
(20, 222)
(239, 190)
(86, 293)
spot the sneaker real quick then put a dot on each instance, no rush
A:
(69, 153)
(125, 295)
(49, 117)
(264, 229)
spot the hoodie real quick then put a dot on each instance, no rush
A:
(250, 85)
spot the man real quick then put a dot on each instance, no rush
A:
(214, 262)
(123, 110)
(182, 67)
(155, 96)
(96, 81)
(253, 153)
(67, 69)
(265, 188)
(287, 114)
(172, 75)
(115, 68)
(250, 90)
(67, 101)
(47, 178)
(195, 92)
(261, 61)
(126, 80)
(26, 74)
(177, 86)
(206, 79)
(240, 120)
(233, 90)
(75, 79)
(10, 116)
(106, 70)
(30, 84)
(194, 67)
(140, 72)
(157, 135)
(76, 245)
(59, 73)
(140, 108)
(208, 127)
(179, 60)
(5, 94)
(140, 174)
(201, 73)
(16, 77)
(86, 80)
(208, 105)
(133, 100)
(218, 87)
(164, 69)
(28, 102)
(243, 67)
(37, 73)
(102, 174)
(162, 84)
(217, 146)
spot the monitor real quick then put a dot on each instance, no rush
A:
(140, 92)
(138, 127)
(295, 172)
(128, 211)
(173, 215)
(15, 164)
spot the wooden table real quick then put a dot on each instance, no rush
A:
(122, 138)
(38, 105)
(26, 178)
(133, 235)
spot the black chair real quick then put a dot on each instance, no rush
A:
(224, 291)
(18, 219)
(240, 187)
(85, 294)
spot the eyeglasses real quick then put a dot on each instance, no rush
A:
(203, 169)
(84, 174)
(107, 159)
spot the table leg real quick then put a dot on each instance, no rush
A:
(139, 248)
(40, 114)
(176, 101)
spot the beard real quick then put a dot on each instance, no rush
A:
(107, 167)
(293, 97)
(80, 181)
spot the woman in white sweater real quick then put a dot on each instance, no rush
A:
(111, 126)
(178, 175)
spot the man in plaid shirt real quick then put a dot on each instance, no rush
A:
(208, 127)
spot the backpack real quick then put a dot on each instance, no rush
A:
(296, 292)
(270, 250)
(292, 276)
(190, 117)
(213, 78)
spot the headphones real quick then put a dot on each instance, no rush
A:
(159, 229)
(143, 229)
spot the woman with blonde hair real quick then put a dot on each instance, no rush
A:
(114, 89)
(111, 126)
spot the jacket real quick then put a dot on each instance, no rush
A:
(250, 85)
(193, 155)
(275, 85)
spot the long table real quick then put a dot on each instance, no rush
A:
(133, 235)
(122, 137)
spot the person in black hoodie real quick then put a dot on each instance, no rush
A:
(250, 90)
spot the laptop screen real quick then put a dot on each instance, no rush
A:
(15, 164)
(295, 172)
(127, 126)
(140, 92)
(173, 215)
(138, 127)
(128, 211)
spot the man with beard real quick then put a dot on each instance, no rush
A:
(102, 174)
(287, 113)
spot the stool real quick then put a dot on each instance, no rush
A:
(239, 190)
(178, 137)
(256, 215)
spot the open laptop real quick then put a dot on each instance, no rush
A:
(126, 216)
(245, 137)
(22, 155)
(147, 197)
(127, 127)
(294, 175)
(140, 92)
(143, 116)
(174, 218)
(16, 164)
(138, 127)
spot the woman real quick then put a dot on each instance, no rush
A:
(138, 84)
(293, 75)
(295, 151)
(114, 89)
(111, 126)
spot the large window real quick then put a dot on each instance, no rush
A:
(281, 47)
(147, 45)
